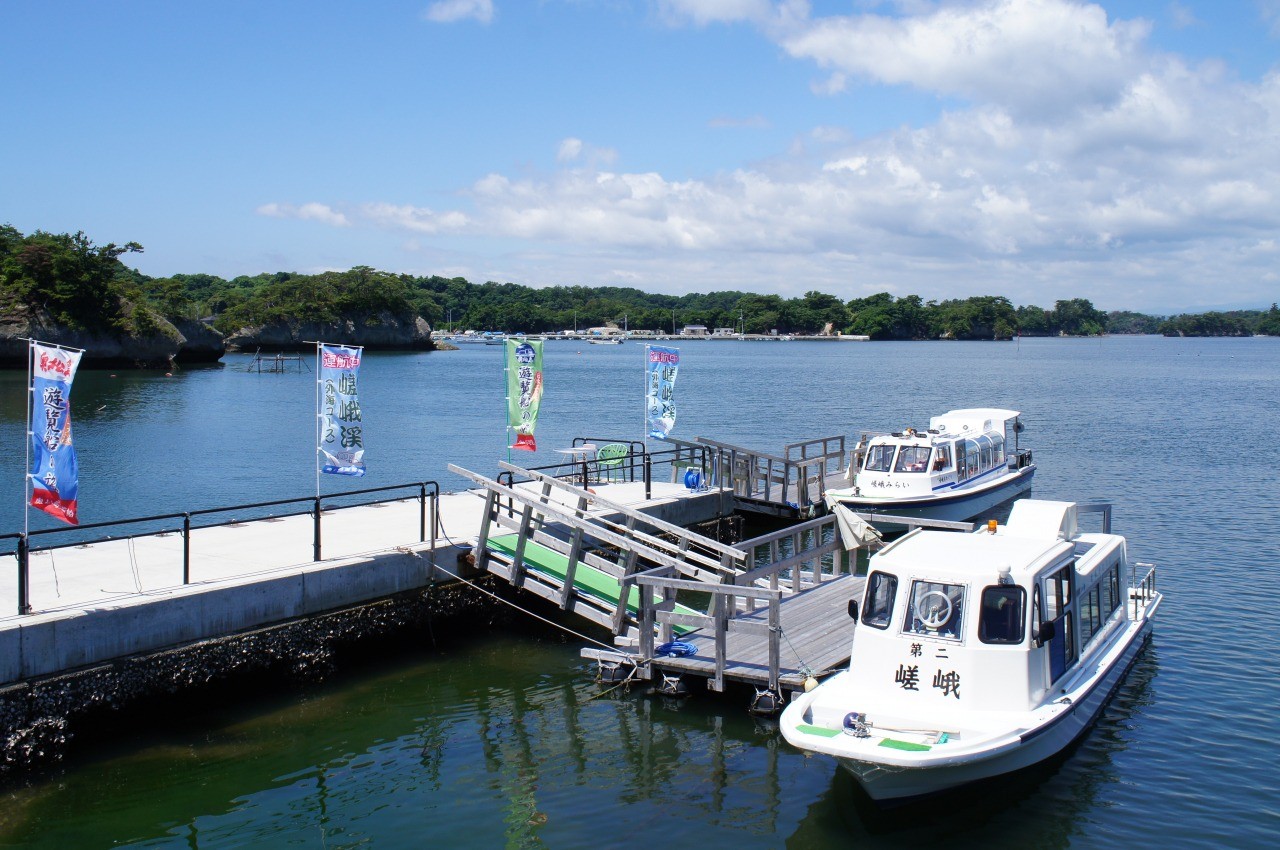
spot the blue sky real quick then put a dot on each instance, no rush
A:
(1124, 152)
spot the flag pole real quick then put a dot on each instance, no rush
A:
(315, 461)
(506, 395)
(644, 408)
(26, 469)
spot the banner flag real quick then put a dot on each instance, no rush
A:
(660, 388)
(341, 430)
(524, 390)
(55, 474)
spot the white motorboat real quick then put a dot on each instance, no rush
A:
(606, 340)
(965, 463)
(978, 654)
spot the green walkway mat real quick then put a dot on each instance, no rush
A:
(585, 578)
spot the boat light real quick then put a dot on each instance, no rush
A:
(1005, 576)
(991, 526)
(855, 724)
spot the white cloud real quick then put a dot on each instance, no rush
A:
(413, 219)
(1109, 172)
(570, 149)
(1033, 55)
(449, 11)
(306, 212)
(575, 150)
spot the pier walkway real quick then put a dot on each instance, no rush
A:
(768, 611)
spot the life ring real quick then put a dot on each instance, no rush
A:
(933, 617)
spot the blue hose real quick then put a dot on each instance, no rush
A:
(676, 649)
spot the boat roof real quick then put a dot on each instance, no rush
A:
(947, 554)
(975, 418)
(1037, 530)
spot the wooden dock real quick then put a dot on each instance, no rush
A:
(814, 633)
(618, 552)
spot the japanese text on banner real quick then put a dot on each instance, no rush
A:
(660, 388)
(55, 473)
(524, 390)
(341, 425)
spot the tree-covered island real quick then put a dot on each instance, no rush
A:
(65, 289)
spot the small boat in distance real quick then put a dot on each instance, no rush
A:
(961, 466)
(978, 654)
(607, 340)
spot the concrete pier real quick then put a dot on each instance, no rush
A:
(123, 597)
(114, 621)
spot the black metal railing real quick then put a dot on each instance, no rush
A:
(638, 465)
(428, 496)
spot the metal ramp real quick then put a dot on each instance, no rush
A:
(583, 552)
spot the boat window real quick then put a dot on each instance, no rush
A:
(997, 448)
(984, 446)
(879, 458)
(1090, 611)
(1057, 593)
(877, 605)
(971, 456)
(941, 458)
(912, 459)
(1001, 620)
(1116, 600)
(1057, 601)
(936, 609)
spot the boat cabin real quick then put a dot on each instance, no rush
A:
(952, 624)
(959, 449)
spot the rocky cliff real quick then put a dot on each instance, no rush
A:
(375, 332)
(162, 346)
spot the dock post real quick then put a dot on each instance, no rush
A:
(24, 583)
(315, 542)
(648, 477)
(186, 548)
(422, 513)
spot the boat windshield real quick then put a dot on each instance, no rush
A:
(936, 609)
(879, 458)
(912, 459)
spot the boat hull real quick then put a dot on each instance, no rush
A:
(954, 506)
(893, 784)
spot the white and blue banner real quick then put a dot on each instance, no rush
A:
(341, 430)
(55, 473)
(660, 387)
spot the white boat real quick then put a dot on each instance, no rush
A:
(475, 338)
(965, 463)
(607, 340)
(978, 654)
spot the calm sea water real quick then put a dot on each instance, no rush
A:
(497, 741)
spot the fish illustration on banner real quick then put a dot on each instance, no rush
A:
(660, 389)
(55, 473)
(524, 390)
(341, 430)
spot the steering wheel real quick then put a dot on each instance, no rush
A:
(933, 614)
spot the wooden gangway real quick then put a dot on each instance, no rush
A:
(583, 551)
(758, 602)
